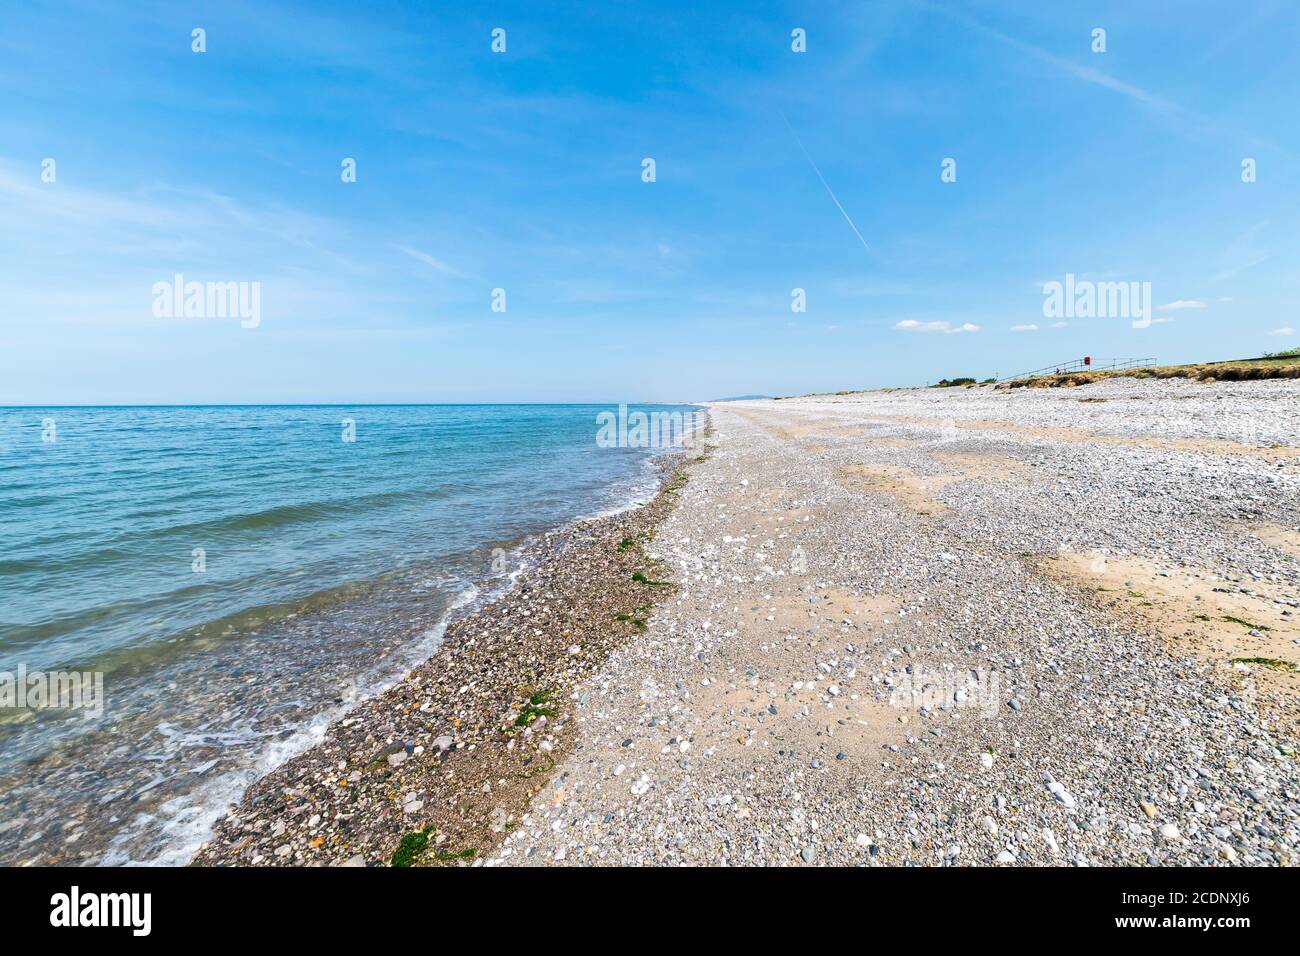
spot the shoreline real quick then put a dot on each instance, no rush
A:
(444, 762)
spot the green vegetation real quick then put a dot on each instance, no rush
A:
(1266, 661)
(640, 578)
(539, 767)
(1274, 356)
(409, 850)
(1236, 620)
(536, 708)
(1270, 365)
(634, 618)
(625, 544)
(1233, 620)
(677, 480)
(1284, 364)
(458, 855)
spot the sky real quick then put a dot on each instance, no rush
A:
(524, 171)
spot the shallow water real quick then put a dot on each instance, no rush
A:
(240, 576)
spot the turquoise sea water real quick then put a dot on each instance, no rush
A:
(240, 575)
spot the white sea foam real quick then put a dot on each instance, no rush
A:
(186, 822)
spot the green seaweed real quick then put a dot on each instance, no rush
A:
(1236, 620)
(640, 578)
(409, 850)
(1267, 661)
(448, 857)
(543, 765)
(535, 708)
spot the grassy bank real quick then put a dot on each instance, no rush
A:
(1274, 365)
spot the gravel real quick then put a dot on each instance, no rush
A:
(445, 761)
(758, 719)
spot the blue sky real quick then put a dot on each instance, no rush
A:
(522, 171)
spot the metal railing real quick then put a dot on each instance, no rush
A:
(1086, 364)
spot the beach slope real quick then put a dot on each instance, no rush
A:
(958, 626)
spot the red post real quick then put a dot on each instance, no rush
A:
(1087, 360)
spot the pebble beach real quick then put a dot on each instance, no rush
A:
(440, 766)
(918, 627)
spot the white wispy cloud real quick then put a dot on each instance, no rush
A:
(947, 328)
(1245, 251)
(1238, 270)
(1285, 330)
(1060, 325)
(1153, 102)
(81, 256)
(1086, 73)
(1024, 328)
(432, 263)
(1179, 304)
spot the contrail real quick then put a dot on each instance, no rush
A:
(1151, 101)
(825, 183)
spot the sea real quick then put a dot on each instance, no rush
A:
(235, 578)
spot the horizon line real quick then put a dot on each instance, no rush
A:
(352, 404)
